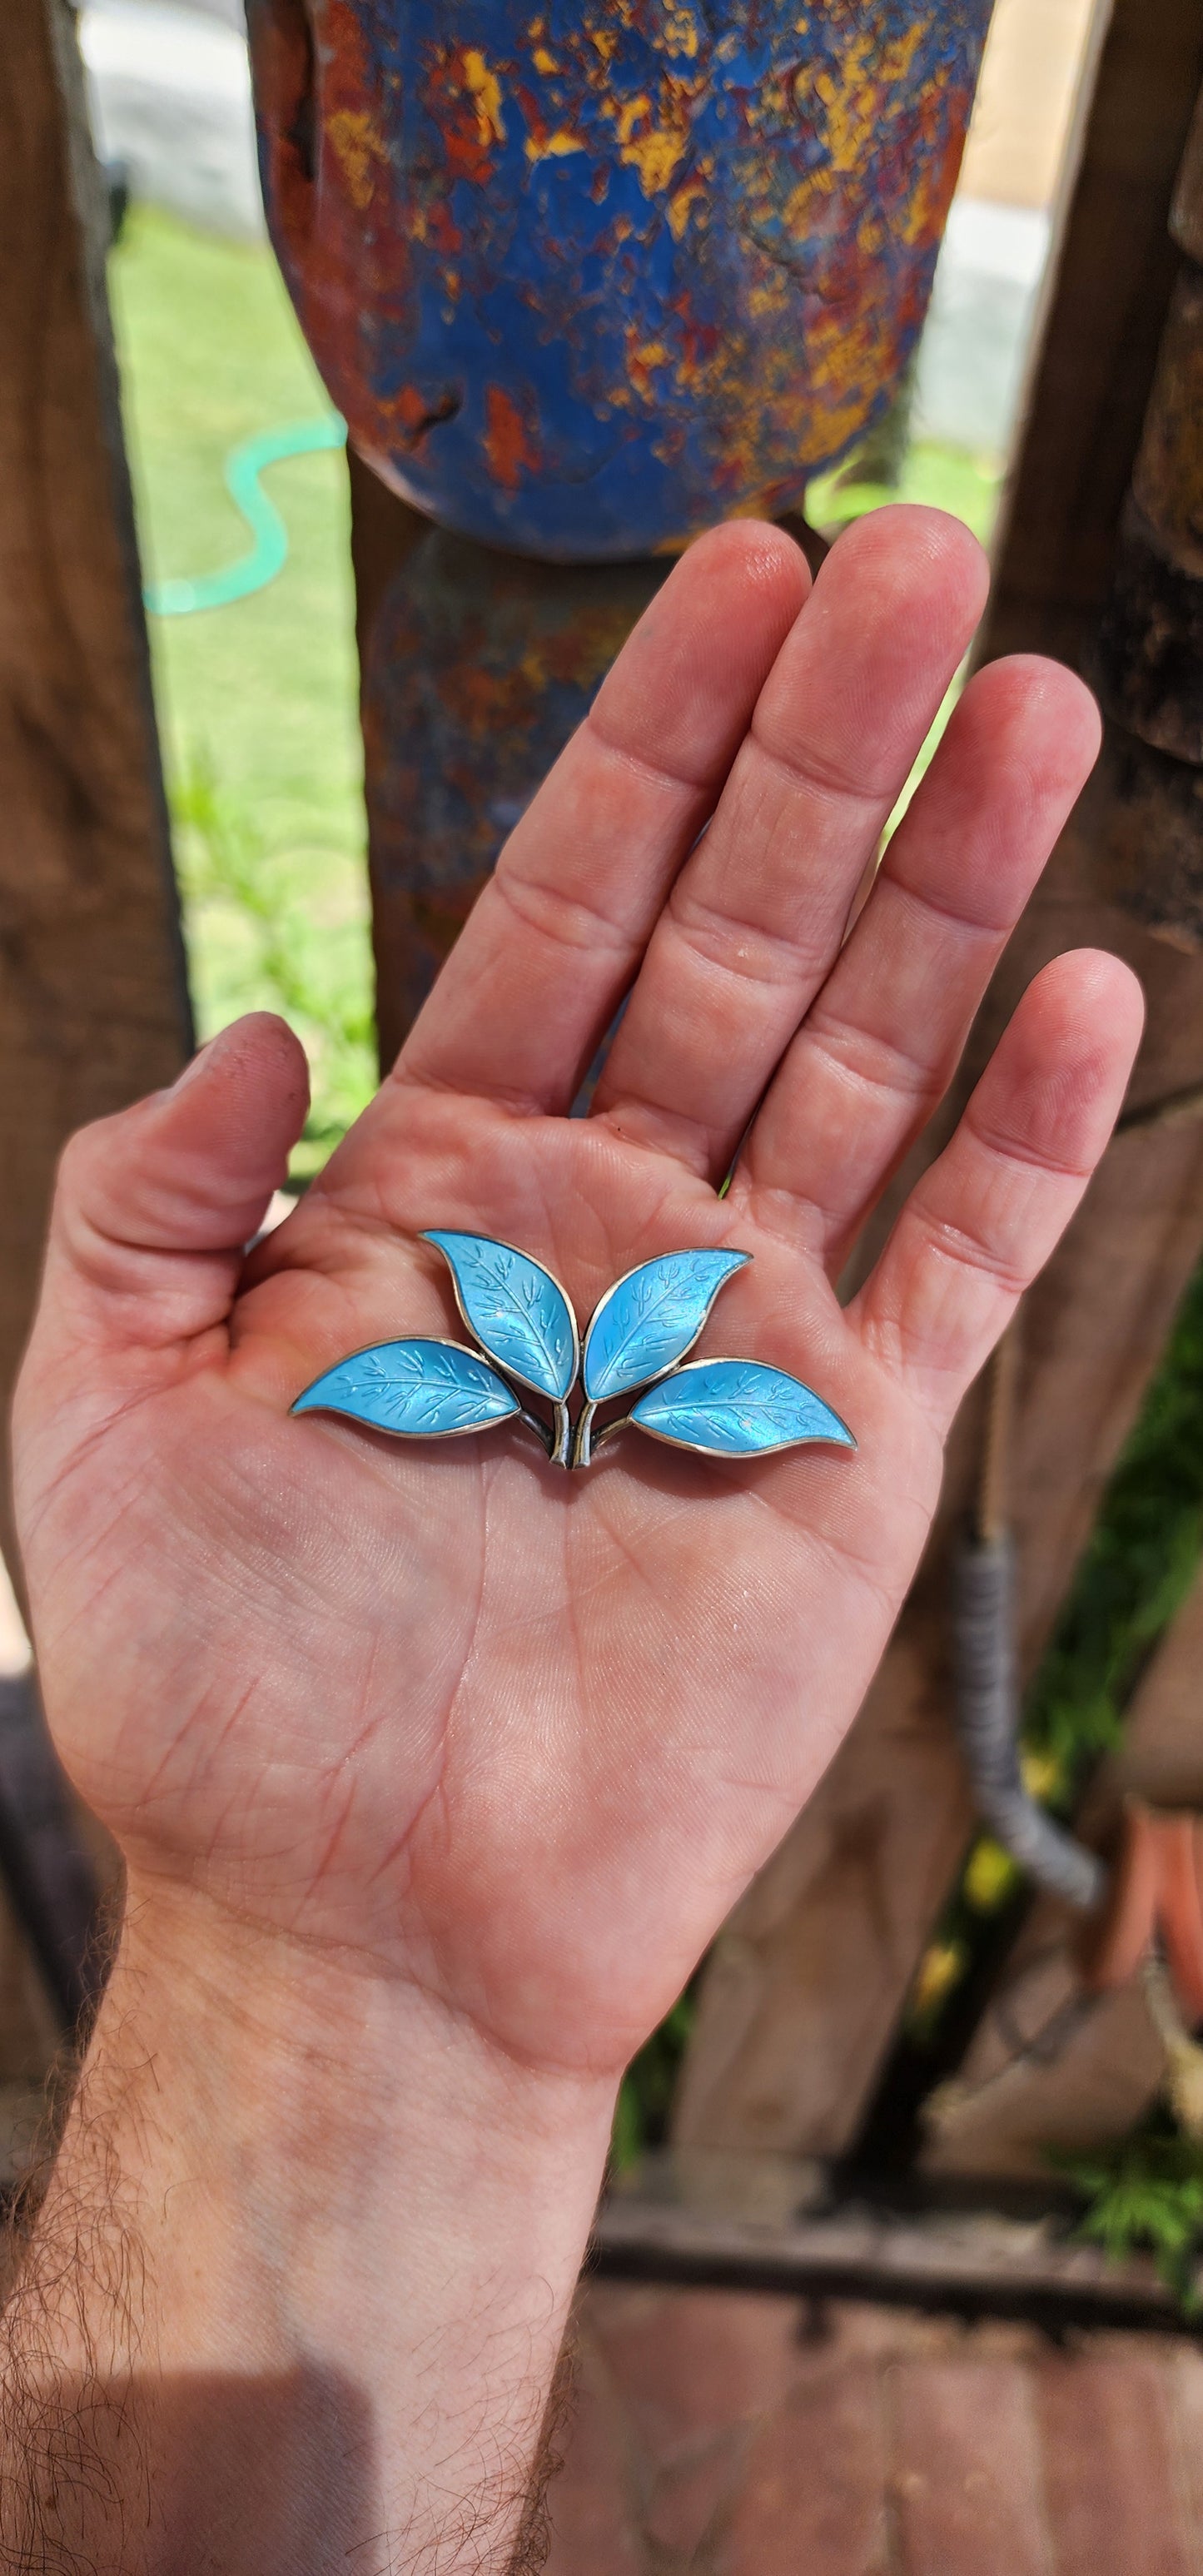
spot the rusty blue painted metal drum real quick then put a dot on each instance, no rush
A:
(586, 275)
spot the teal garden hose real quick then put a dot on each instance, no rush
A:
(269, 553)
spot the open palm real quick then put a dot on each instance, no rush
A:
(518, 1734)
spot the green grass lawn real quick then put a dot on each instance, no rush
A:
(257, 701)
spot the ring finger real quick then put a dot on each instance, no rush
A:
(880, 1045)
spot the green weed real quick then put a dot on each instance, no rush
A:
(1146, 2195)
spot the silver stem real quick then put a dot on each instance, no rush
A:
(612, 1428)
(582, 1447)
(541, 1432)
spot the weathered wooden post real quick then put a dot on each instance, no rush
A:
(1150, 658)
(93, 1001)
(93, 998)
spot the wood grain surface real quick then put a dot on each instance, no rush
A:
(93, 998)
(93, 1003)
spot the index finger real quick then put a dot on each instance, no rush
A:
(555, 939)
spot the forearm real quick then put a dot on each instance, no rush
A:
(298, 2288)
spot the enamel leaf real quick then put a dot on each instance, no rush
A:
(422, 1390)
(648, 1320)
(518, 1312)
(737, 1409)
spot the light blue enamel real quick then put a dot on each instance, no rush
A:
(737, 1409)
(516, 1309)
(422, 1390)
(648, 1320)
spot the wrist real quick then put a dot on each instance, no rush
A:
(328, 2182)
(338, 2057)
(346, 2122)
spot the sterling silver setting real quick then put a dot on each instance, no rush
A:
(527, 1343)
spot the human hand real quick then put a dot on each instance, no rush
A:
(445, 1716)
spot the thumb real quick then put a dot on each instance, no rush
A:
(154, 1207)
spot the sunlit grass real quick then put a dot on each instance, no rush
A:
(257, 701)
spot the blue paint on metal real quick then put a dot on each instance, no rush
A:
(586, 276)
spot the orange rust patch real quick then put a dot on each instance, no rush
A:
(359, 152)
(512, 451)
(484, 88)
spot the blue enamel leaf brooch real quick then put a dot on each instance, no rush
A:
(637, 1346)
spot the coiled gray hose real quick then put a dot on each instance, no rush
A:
(987, 1723)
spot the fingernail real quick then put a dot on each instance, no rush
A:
(193, 1066)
